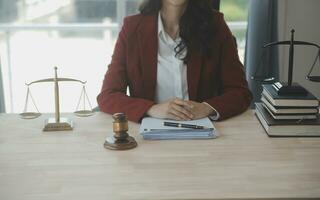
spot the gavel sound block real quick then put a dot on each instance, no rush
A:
(121, 139)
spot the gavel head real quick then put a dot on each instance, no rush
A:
(120, 124)
(120, 117)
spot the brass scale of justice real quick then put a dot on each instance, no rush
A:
(119, 141)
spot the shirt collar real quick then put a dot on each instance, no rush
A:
(162, 33)
(166, 39)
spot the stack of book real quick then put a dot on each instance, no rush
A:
(288, 115)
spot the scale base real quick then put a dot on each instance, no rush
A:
(64, 124)
(283, 89)
(117, 144)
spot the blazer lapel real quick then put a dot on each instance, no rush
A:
(148, 52)
(194, 67)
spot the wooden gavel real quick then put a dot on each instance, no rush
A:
(121, 139)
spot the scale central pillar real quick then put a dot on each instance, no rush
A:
(57, 123)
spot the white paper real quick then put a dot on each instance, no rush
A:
(153, 128)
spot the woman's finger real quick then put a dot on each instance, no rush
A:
(174, 117)
(178, 114)
(188, 105)
(183, 110)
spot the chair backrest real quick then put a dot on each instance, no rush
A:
(216, 4)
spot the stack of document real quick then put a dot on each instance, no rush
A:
(154, 129)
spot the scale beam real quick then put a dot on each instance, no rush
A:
(53, 80)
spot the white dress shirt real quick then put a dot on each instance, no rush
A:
(171, 71)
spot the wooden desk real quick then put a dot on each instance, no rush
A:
(242, 163)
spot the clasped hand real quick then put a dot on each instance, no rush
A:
(178, 109)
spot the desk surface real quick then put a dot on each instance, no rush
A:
(242, 163)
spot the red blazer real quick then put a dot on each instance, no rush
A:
(218, 80)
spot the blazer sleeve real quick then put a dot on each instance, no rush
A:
(113, 98)
(235, 95)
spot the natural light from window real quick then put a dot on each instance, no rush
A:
(78, 36)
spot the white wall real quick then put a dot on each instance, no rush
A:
(304, 17)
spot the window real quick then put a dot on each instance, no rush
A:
(236, 15)
(78, 36)
(75, 35)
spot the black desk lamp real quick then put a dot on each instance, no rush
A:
(291, 88)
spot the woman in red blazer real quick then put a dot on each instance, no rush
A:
(205, 49)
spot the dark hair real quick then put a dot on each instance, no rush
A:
(196, 25)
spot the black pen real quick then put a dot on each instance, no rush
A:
(173, 124)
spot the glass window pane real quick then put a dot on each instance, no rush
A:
(236, 15)
(35, 53)
(78, 36)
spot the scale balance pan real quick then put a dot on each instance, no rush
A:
(84, 113)
(29, 115)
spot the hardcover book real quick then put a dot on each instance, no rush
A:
(288, 109)
(290, 116)
(287, 127)
(288, 100)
